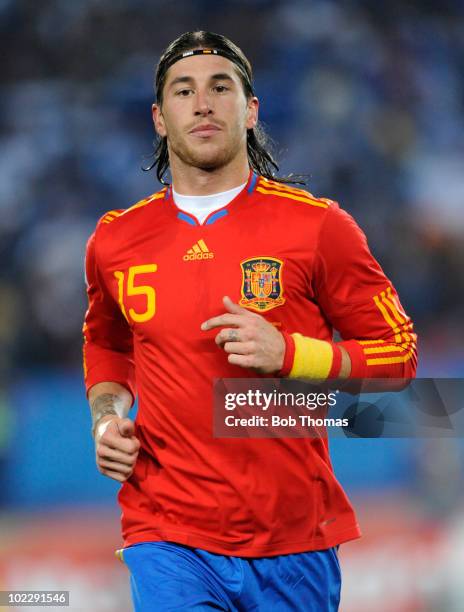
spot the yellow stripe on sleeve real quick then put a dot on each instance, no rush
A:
(400, 316)
(393, 308)
(390, 348)
(388, 319)
(397, 303)
(391, 360)
(400, 324)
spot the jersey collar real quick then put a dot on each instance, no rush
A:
(217, 214)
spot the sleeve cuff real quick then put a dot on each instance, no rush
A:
(112, 370)
(358, 360)
(336, 361)
(289, 355)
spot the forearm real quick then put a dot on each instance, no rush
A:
(345, 368)
(108, 399)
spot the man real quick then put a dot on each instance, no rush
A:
(177, 297)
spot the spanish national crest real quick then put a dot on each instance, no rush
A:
(262, 287)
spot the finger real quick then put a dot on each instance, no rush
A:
(120, 427)
(118, 443)
(222, 320)
(232, 307)
(105, 452)
(114, 466)
(229, 335)
(114, 475)
(126, 427)
(244, 361)
(240, 348)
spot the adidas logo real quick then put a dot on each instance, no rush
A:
(197, 252)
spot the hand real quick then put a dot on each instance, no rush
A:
(116, 447)
(250, 340)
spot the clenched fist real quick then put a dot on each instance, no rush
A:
(116, 447)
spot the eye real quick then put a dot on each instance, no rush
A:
(221, 88)
(183, 93)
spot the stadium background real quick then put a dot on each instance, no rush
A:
(368, 97)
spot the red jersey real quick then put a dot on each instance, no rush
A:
(154, 275)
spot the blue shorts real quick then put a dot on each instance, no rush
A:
(168, 576)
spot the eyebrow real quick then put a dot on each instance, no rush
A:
(220, 76)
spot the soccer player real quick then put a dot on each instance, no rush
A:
(227, 272)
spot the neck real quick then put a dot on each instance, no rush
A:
(189, 180)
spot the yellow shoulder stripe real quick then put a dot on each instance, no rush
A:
(268, 184)
(113, 214)
(110, 216)
(291, 196)
(274, 185)
(156, 196)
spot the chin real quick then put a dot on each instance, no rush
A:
(215, 159)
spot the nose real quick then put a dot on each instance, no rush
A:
(203, 105)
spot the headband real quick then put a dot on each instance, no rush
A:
(230, 56)
(225, 54)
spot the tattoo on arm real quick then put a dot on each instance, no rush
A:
(103, 405)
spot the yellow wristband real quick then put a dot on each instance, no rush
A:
(313, 358)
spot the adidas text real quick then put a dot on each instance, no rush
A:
(197, 256)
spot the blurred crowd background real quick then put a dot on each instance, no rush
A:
(365, 97)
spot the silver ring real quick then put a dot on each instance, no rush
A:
(233, 335)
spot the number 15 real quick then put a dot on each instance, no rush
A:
(133, 289)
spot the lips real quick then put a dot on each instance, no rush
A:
(205, 130)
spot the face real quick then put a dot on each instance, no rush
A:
(205, 114)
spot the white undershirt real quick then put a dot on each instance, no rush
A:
(202, 206)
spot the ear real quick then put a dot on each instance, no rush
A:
(252, 113)
(158, 120)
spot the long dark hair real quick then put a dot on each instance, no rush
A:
(259, 145)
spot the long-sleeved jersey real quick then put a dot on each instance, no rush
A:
(154, 275)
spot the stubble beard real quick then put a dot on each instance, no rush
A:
(204, 160)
